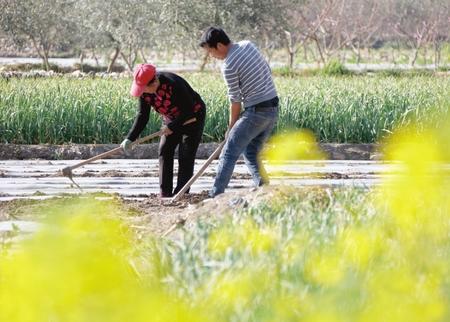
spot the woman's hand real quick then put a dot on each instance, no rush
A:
(126, 146)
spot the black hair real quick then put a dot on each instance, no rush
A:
(212, 36)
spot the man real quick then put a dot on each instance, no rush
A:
(183, 112)
(250, 85)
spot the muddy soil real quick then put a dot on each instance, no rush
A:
(153, 215)
(147, 215)
(334, 151)
(159, 215)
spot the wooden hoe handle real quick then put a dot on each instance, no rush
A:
(214, 155)
(119, 149)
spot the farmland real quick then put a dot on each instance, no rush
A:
(354, 109)
(278, 253)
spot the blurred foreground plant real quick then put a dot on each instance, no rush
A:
(80, 267)
(315, 254)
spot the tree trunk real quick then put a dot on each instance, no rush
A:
(127, 61)
(305, 52)
(322, 58)
(113, 60)
(41, 53)
(95, 58)
(81, 60)
(290, 49)
(437, 54)
(204, 62)
(425, 53)
(46, 52)
(399, 51)
(414, 58)
(133, 58)
(291, 59)
(268, 49)
(144, 59)
(358, 55)
(269, 55)
(45, 59)
(393, 55)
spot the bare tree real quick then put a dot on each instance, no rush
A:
(294, 35)
(441, 32)
(362, 24)
(415, 22)
(322, 21)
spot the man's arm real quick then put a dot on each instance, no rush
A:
(235, 111)
(234, 94)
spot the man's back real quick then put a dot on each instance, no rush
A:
(247, 75)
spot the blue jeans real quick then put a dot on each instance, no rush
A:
(246, 137)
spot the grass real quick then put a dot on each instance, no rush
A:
(358, 109)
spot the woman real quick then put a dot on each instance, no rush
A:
(183, 112)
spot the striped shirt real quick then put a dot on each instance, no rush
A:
(247, 75)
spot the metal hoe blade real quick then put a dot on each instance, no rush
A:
(67, 172)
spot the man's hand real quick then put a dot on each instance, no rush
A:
(235, 111)
(126, 146)
(166, 131)
(227, 133)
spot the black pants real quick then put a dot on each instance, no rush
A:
(187, 140)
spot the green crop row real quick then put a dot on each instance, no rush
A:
(336, 109)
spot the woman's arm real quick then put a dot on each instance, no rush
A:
(140, 120)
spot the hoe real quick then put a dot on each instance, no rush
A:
(67, 171)
(199, 173)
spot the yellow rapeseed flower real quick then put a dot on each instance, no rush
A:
(294, 145)
(324, 268)
(77, 268)
(358, 246)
